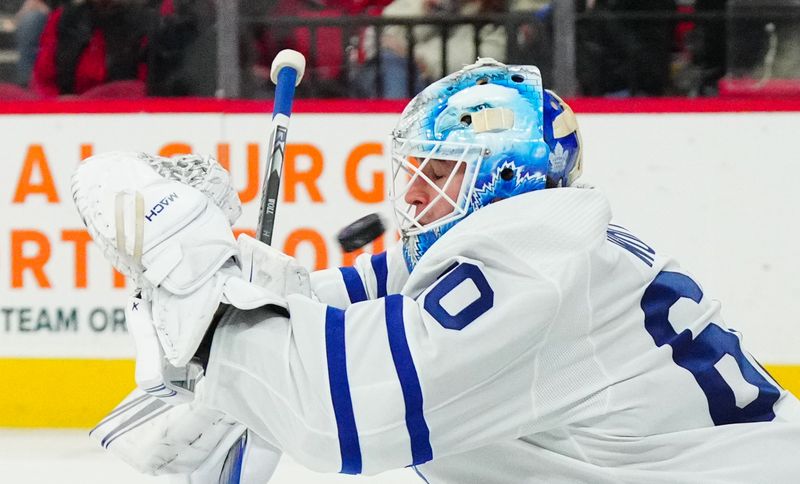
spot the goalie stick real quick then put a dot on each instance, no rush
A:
(286, 72)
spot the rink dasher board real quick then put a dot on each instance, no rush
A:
(710, 183)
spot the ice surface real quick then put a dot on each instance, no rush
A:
(70, 457)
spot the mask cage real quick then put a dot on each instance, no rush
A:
(405, 173)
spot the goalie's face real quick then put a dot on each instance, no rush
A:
(431, 182)
(433, 192)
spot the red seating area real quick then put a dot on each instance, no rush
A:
(747, 87)
(12, 92)
(132, 89)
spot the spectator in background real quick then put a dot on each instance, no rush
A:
(617, 57)
(706, 45)
(88, 43)
(181, 50)
(427, 54)
(30, 20)
(532, 42)
(324, 50)
(359, 7)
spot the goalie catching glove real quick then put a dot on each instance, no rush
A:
(166, 224)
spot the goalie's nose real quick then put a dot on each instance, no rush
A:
(419, 194)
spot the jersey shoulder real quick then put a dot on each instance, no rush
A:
(544, 225)
(534, 233)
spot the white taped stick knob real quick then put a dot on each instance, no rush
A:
(288, 58)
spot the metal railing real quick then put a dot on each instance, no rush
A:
(353, 27)
(562, 49)
(594, 52)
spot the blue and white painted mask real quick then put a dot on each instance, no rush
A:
(490, 122)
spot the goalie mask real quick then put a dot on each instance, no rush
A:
(477, 136)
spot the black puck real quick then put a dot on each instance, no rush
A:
(361, 232)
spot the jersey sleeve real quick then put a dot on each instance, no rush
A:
(371, 277)
(396, 380)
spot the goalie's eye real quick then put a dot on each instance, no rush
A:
(441, 169)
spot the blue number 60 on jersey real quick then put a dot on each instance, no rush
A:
(699, 354)
(464, 273)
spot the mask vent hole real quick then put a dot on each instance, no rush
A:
(506, 174)
(466, 119)
(482, 81)
(517, 78)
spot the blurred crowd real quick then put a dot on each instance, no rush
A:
(135, 48)
(113, 48)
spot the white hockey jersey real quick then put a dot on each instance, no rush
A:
(534, 342)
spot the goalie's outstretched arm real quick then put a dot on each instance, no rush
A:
(371, 277)
(390, 382)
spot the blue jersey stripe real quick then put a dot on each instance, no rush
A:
(409, 381)
(340, 391)
(354, 284)
(381, 269)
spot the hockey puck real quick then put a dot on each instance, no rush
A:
(361, 232)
